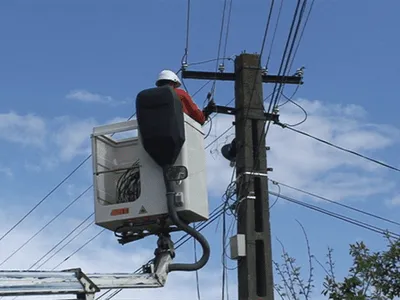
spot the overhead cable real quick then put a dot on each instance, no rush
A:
(66, 244)
(299, 106)
(267, 28)
(86, 190)
(45, 197)
(274, 34)
(79, 249)
(60, 242)
(202, 225)
(227, 29)
(50, 193)
(337, 203)
(338, 216)
(278, 86)
(93, 214)
(340, 148)
(302, 32)
(185, 55)
(45, 226)
(219, 45)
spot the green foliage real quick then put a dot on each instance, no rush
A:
(373, 275)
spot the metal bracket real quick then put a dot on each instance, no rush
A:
(255, 174)
(232, 111)
(231, 77)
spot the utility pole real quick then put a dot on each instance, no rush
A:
(255, 271)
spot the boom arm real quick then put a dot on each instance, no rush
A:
(27, 283)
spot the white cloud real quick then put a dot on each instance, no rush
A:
(304, 163)
(26, 129)
(296, 160)
(64, 138)
(32, 167)
(73, 138)
(395, 201)
(6, 171)
(104, 255)
(88, 97)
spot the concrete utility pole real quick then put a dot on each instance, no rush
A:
(255, 272)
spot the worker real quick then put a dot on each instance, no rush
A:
(167, 77)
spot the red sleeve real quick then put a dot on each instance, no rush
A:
(192, 109)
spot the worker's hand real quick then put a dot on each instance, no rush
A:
(212, 105)
(209, 109)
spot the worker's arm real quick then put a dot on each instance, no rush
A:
(192, 109)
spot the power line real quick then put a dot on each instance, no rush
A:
(284, 54)
(260, 56)
(227, 29)
(336, 202)
(340, 148)
(294, 55)
(289, 99)
(185, 55)
(78, 225)
(217, 138)
(281, 65)
(267, 28)
(302, 32)
(213, 217)
(59, 243)
(338, 216)
(31, 267)
(60, 250)
(299, 106)
(274, 34)
(66, 244)
(275, 102)
(219, 45)
(55, 188)
(220, 35)
(279, 73)
(45, 197)
(51, 192)
(45, 226)
(79, 249)
(208, 61)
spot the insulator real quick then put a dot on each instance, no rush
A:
(184, 66)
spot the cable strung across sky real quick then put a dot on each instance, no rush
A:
(338, 216)
(335, 202)
(339, 147)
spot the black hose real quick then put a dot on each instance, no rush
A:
(189, 230)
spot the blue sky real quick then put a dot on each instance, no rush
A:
(56, 56)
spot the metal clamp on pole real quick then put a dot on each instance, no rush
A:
(255, 174)
(226, 110)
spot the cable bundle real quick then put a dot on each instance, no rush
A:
(128, 185)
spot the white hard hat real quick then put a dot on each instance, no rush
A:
(168, 75)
